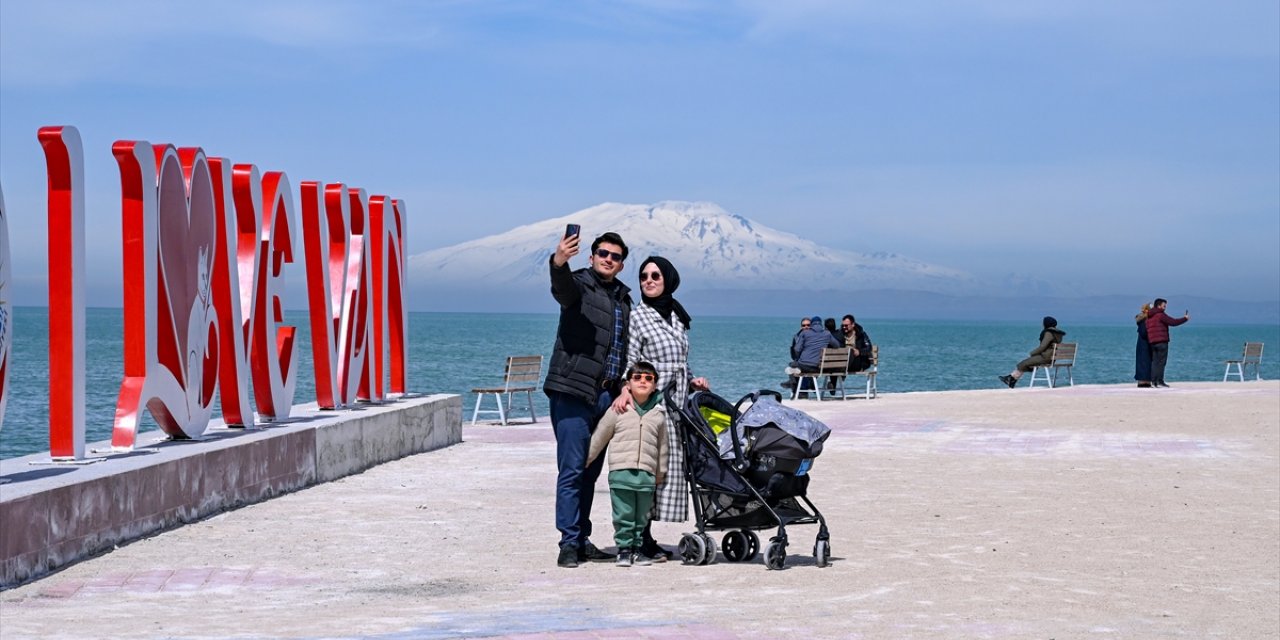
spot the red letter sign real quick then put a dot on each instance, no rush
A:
(171, 328)
(275, 367)
(6, 309)
(390, 316)
(64, 157)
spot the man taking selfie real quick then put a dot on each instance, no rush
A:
(583, 378)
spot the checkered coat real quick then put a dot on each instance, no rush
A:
(665, 345)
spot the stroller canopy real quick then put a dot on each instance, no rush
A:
(794, 421)
(764, 411)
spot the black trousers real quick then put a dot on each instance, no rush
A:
(1159, 357)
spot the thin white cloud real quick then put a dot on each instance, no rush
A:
(64, 42)
(1248, 28)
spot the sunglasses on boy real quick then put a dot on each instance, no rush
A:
(605, 253)
(647, 377)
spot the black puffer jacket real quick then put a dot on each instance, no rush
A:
(585, 331)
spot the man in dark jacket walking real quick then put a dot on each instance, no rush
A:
(1158, 323)
(583, 379)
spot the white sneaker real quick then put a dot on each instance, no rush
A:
(791, 371)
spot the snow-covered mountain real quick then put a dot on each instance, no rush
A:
(712, 248)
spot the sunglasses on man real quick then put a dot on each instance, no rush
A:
(605, 253)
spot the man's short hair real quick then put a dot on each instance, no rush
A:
(611, 238)
(1159, 301)
(849, 317)
(643, 367)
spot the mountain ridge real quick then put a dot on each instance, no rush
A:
(710, 246)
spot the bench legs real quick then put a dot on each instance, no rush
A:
(812, 377)
(502, 415)
(528, 395)
(1051, 375)
(502, 412)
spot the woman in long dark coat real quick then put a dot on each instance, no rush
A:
(1142, 354)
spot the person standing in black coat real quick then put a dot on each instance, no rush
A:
(1142, 353)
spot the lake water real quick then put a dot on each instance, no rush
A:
(454, 352)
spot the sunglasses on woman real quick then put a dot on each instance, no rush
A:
(647, 377)
(646, 275)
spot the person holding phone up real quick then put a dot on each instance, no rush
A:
(584, 377)
(1158, 323)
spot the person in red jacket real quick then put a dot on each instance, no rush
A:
(1158, 323)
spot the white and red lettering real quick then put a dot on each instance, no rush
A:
(6, 308)
(274, 362)
(64, 159)
(205, 244)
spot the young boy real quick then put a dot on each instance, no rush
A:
(637, 441)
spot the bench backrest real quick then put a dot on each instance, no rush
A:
(834, 360)
(1252, 352)
(1064, 353)
(522, 371)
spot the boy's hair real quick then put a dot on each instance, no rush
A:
(611, 238)
(643, 367)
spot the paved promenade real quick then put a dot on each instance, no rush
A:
(1087, 512)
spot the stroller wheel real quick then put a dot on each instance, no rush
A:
(736, 545)
(775, 555)
(710, 543)
(753, 548)
(822, 553)
(693, 549)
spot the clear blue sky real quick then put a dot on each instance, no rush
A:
(1109, 147)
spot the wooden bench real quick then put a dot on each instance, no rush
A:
(870, 372)
(1063, 357)
(521, 374)
(834, 362)
(1252, 356)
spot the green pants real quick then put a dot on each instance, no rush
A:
(631, 491)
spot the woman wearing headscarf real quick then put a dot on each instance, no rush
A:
(1142, 354)
(1040, 355)
(659, 335)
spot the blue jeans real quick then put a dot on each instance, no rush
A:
(573, 421)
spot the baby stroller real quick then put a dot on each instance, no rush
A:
(748, 471)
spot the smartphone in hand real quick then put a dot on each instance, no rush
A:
(571, 230)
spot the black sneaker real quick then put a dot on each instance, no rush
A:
(592, 553)
(1009, 380)
(655, 552)
(638, 558)
(568, 558)
(624, 558)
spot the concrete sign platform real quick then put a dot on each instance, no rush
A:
(54, 514)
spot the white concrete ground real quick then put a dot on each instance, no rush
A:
(1085, 512)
